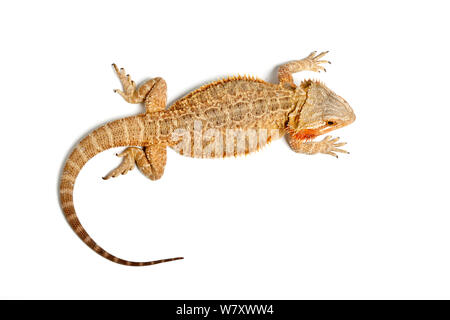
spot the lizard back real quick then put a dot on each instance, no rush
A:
(239, 106)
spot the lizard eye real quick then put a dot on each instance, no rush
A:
(330, 123)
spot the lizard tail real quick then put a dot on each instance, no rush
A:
(123, 132)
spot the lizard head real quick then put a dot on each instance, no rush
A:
(322, 111)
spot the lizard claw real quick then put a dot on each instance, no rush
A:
(129, 86)
(330, 146)
(315, 62)
(127, 164)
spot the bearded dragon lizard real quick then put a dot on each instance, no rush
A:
(228, 117)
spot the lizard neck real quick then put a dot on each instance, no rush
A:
(299, 96)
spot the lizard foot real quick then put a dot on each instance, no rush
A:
(128, 163)
(313, 62)
(129, 86)
(331, 146)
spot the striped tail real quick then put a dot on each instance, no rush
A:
(124, 132)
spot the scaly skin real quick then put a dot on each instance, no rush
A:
(228, 117)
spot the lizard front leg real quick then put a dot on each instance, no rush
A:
(150, 161)
(153, 92)
(310, 63)
(326, 146)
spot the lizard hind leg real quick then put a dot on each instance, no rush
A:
(151, 162)
(152, 92)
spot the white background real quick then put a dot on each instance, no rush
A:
(276, 224)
